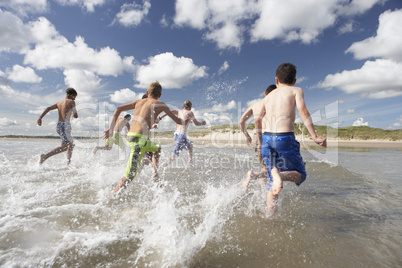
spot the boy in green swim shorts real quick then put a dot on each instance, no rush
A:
(145, 112)
(117, 138)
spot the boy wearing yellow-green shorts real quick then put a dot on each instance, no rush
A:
(145, 112)
(116, 138)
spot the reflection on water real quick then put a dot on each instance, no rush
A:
(345, 215)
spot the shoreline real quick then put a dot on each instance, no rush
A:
(237, 140)
(222, 140)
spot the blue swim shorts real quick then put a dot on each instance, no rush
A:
(282, 150)
(63, 128)
(182, 142)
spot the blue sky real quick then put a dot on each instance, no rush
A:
(221, 55)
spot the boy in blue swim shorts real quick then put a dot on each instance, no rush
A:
(180, 135)
(145, 112)
(279, 148)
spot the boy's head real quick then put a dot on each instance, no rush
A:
(286, 73)
(187, 105)
(269, 89)
(127, 117)
(155, 89)
(71, 92)
(144, 96)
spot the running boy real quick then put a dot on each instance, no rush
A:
(279, 148)
(117, 138)
(180, 135)
(145, 112)
(246, 115)
(66, 108)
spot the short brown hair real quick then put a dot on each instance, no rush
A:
(71, 91)
(187, 104)
(155, 89)
(286, 73)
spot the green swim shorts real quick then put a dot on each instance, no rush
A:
(116, 139)
(139, 144)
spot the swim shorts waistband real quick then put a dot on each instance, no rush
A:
(279, 133)
(117, 132)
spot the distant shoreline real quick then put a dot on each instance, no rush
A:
(226, 137)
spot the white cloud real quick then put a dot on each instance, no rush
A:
(55, 51)
(84, 82)
(89, 5)
(222, 20)
(24, 74)
(223, 107)
(170, 71)
(360, 122)
(226, 22)
(223, 68)
(5, 122)
(388, 41)
(376, 79)
(346, 28)
(14, 35)
(397, 124)
(350, 111)
(23, 7)
(132, 14)
(125, 95)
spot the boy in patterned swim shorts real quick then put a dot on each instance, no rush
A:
(279, 148)
(145, 112)
(65, 108)
(180, 135)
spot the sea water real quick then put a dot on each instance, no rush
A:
(347, 214)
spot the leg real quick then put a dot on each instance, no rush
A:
(70, 148)
(190, 156)
(122, 184)
(55, 151)
(106, 147)
(272, 203)
(169, 160)
(250, 176)
(155, 163)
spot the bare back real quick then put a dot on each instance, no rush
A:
(145, 113)
(120, 124)
(187, 116)
(65, 108)
(280, 109)
(255, 108)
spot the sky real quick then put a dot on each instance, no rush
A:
(219, 54)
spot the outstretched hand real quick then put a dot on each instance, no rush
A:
(321, 141)
(39, 122)
(107, 133)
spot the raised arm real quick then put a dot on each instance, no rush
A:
(306, 118)
(48, 109)
(196, 122)
(242, 122)
(125, 107)
(175, 112)
(170, 113)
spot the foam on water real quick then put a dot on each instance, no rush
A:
(53, 215)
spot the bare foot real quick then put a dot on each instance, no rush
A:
(249, 177)
(42, 159)
(277, 183)
(95, 150)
